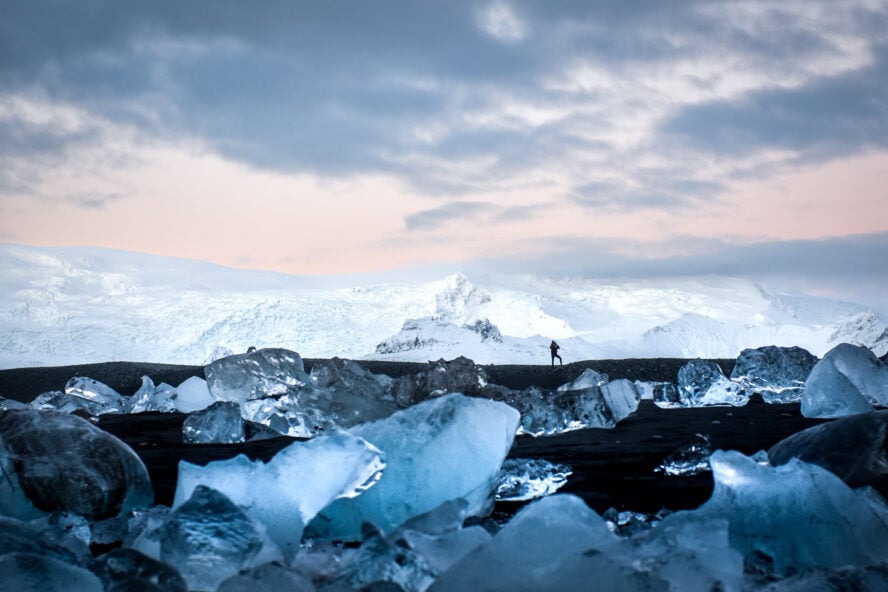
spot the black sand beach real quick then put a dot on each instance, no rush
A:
(611, 467)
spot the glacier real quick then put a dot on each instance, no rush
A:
(52, 298)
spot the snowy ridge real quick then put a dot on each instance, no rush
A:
(66, 306)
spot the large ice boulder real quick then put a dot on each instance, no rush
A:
(851, 447)
(53, 462)
(701, 382)
(442, 449)
(777, 373)
(798, 514)
(848, 380)
(261, 373)
(285, 493)
(531, 550)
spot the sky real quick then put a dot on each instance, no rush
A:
(600, 138)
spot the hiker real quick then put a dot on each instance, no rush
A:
(554, 347)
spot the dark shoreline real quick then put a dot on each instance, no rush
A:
(611, 467)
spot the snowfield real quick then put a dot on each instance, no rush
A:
(64, 306)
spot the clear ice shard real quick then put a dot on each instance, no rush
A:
(255, 375)
(153, 398)
(55, 462)
(193, 395)
(220, 423)
(851, 447)
(289, 490)
(701, 382)
(848, 380)
(798, 514)
(127, 569)
(531, 549)
(207, 539)
(27, 572)
(777, 373)
(107, 399)
(453, 445)
(268, 577)
(690, 459)
(596, 403)
(523, 479)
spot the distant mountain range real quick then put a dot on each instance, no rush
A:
(77, 305)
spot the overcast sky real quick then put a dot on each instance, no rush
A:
(605, 138)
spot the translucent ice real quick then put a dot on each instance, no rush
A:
(193, 395)
(289, 490)
(690, 459)
(268, 577)
(286, 415)
(453, 446)
(26, 572)
(701, 382)
(798, 514)
(94, 391)
(460, 375)
(64, 403)
(56, 462)
(531, 549)
(127, 569)
(588, 379)
(778, 373)
(846, 381)
(523, 479)
(153, 398)
(851, 447)
(26, 537)
(6, 404)
(208, 539)
(220, 423)
(255, 375)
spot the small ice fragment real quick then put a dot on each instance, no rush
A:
(220, 423)
(523, 479)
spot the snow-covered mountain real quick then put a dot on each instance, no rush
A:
(64, 306)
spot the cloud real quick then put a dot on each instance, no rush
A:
(447, 213)
(499, 20)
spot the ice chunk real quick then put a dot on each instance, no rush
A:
(530, 550)
(26, 537)
(798, 514)
(438, 535)
(220, 423)
(460, 375)
(128, 569)
(523, 479)
(7, 404)
(268, 577)
(777, 373)
(64, 403)
(208, 539)
(26, 572)
(701, 382)
(286, 415)
(153, 398)
(846, 381)
(255, 375)
(68, 531)
(691, 459)
(193, 395)
(851, 447)
(54, 462)
(289, 490)
(588, 379)
(663, 394)
(92, 390)
(848, 578)
(453, 445)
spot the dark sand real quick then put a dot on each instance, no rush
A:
(612, 467)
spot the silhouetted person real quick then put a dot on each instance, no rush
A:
(251, 349)
(554, 347)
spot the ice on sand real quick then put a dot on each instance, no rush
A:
(55, 462)
(453, 445)
(848, 380)
(798, 514)
(220, 423)
(523, 479)
(153, 398)
(289, 490)
(193, 395)
(701, 382)
(777, 373)
(262, 373)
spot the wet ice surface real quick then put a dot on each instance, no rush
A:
(411, 482)
(848, 380)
